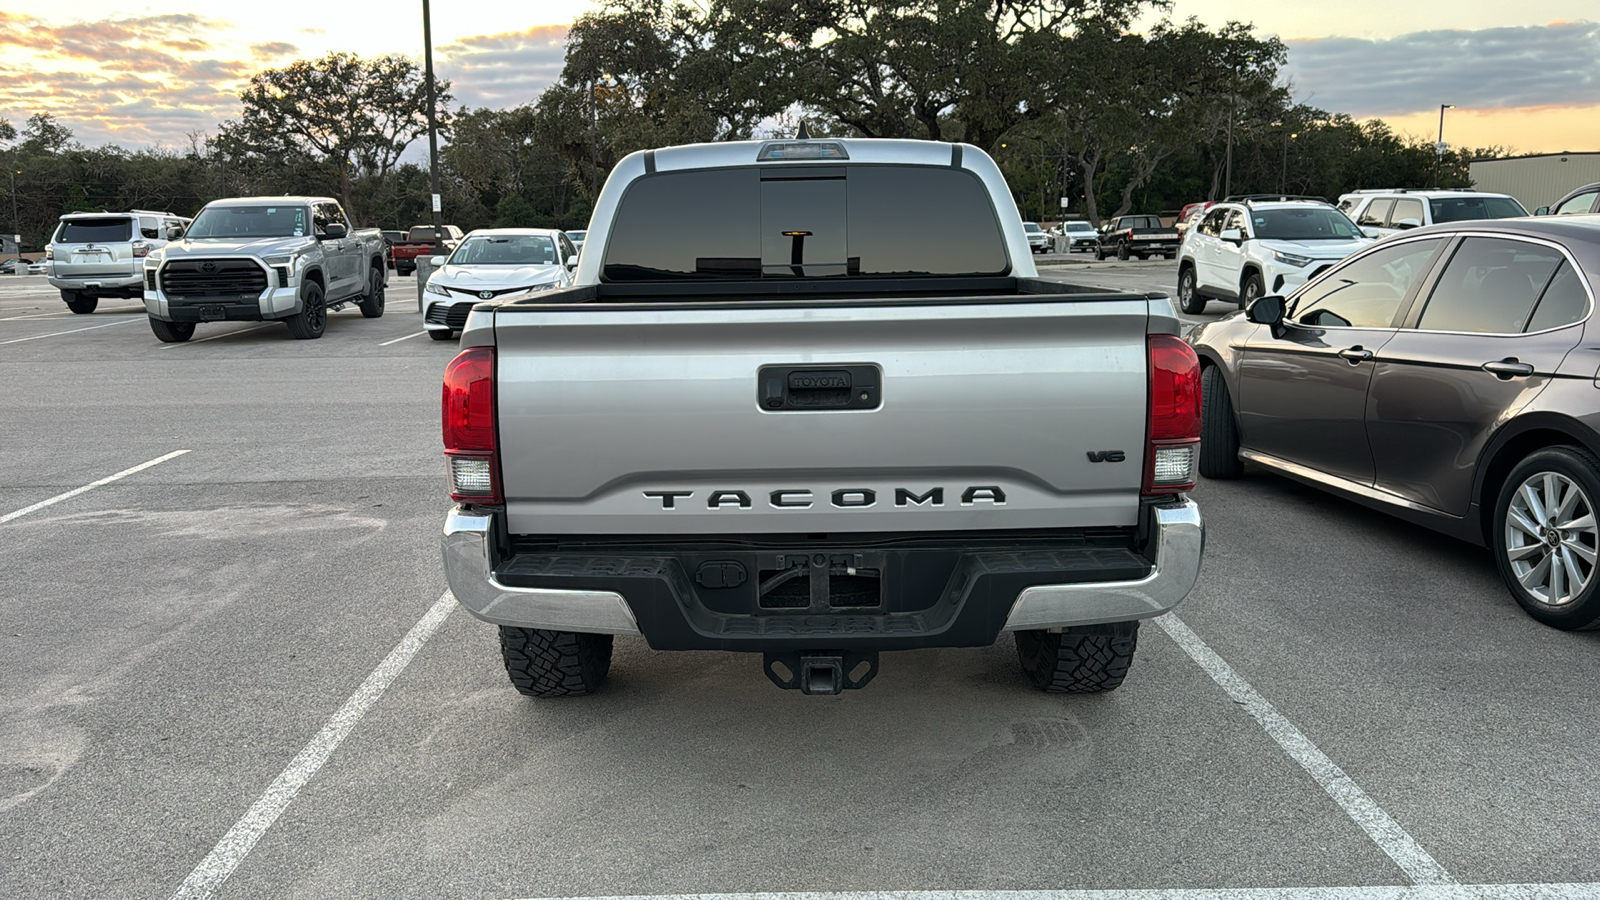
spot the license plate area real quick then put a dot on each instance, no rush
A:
(213, 313)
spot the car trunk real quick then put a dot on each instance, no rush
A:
(95, 247)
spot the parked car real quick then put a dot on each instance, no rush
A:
(1079, 235)
(491, 263)
(390, 238)
(1380, 213)
(14, 266)
(1244, 250)
(1446, 376)
(95, 255)
(39, 267)
(419, 241)
(1191, 213)
(783, 442)
(577, 238)
(258, 259)
(1140, 236)
(1038, 238)
(1577, 202)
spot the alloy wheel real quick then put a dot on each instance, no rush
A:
(1551, 539)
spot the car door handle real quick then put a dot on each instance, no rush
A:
(1508, 368)
(1356, 354)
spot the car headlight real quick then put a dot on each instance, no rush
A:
(1292, 259)
(433, 287)
(540, 287)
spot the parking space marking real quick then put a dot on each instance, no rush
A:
(222, 335)
(1384, 831)
(1375, 892)
(90, 486)
(229, 852)
(406, 338)
(59, 333)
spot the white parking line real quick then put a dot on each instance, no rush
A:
(1376, 892)
(229, 852)
(89, 487)
(406, 338)
(1384, 831)
(59, 333)
(222, 335)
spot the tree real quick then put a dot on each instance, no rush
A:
(341, 115)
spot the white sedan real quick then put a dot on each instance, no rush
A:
(491, 263)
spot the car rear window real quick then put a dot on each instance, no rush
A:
(802, 222)
(1460, 209)
(95, 231)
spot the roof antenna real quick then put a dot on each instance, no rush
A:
(804, 135)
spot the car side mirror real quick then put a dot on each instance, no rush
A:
(1408, 223)
(1232, 235)
(438, 261)
(572, 261)
(1542, 211)
(174, 232)
(334, 231)
(1266, 310)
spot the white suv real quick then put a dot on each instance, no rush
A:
(94, 255)
(1243, 250)
(1382, 213)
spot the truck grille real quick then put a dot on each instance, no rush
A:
(213, 278)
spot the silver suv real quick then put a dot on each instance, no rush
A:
(94, 255)
(1380, 213)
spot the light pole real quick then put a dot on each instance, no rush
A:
(1283, 171)
(1438, 147)
(433, 132)
(16, 224)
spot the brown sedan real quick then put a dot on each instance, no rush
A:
(1449, 376)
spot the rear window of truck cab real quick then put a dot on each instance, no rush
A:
(801, 222)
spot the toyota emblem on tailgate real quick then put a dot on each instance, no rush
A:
(485, 295)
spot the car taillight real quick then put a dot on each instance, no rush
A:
(468, 412)
(1130, 234)
(1174, 433)
(140, 248)
(49, 252)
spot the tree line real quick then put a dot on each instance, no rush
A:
(1069, 100)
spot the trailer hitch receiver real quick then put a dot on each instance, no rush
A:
(820, 671)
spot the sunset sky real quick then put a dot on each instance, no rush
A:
(1523, 75)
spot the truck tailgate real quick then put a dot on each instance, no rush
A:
(645, 420)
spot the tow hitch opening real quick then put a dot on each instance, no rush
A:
(820, 672)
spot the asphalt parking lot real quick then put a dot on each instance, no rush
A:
(236, 671)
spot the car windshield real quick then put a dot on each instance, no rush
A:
(1077, 226)
(91, 231)
(1460, 209)
(1316, 223)
(506, 250)
(1031, 227)
(250, 222)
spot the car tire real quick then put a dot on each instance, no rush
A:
(1250, 289)
(1122, 252)
(172, 332)
(543, 663)
(371, 304)
(312, 320)
(1219, 430)
(1087, 659)
(80, 304)
(1189, 296)
(442, 335)
(1521, 554)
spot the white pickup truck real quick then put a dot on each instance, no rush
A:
(769, 418)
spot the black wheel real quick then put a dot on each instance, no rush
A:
(1250, 289)
(442, 335)
(371, 305)
(1100, 254)
(312, 319)
(1545, 538)
(1189, 299)
(172, 332)
(79, 303)
(1083, 660)
(404, 269)
(1219, 430)
(545, 663)
(1122, 252)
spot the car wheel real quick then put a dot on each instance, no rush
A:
(1219, 430)
(312, 319)
(1122, 252)
(1545, 537)
(1083, 660)
(1250, 289)
(544, 663)
(372, 304)
(172, 332)
(442, 335)
(1189, 293)
(79, 303)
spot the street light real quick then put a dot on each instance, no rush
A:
(1438, 147)
(1283, 172)
(16, 224)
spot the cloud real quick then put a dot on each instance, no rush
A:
(503, 70)
(1491, 68)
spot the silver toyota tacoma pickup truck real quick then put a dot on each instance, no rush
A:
(768, 417)
(256, 259)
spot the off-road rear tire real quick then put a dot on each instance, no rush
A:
(1219, 430)
(1084, 660)
(312, 319)
(80, 304)
(172, 332)
(371, 304)
(545, 663)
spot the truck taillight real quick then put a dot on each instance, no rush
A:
(467, 412)
(1174, 433)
